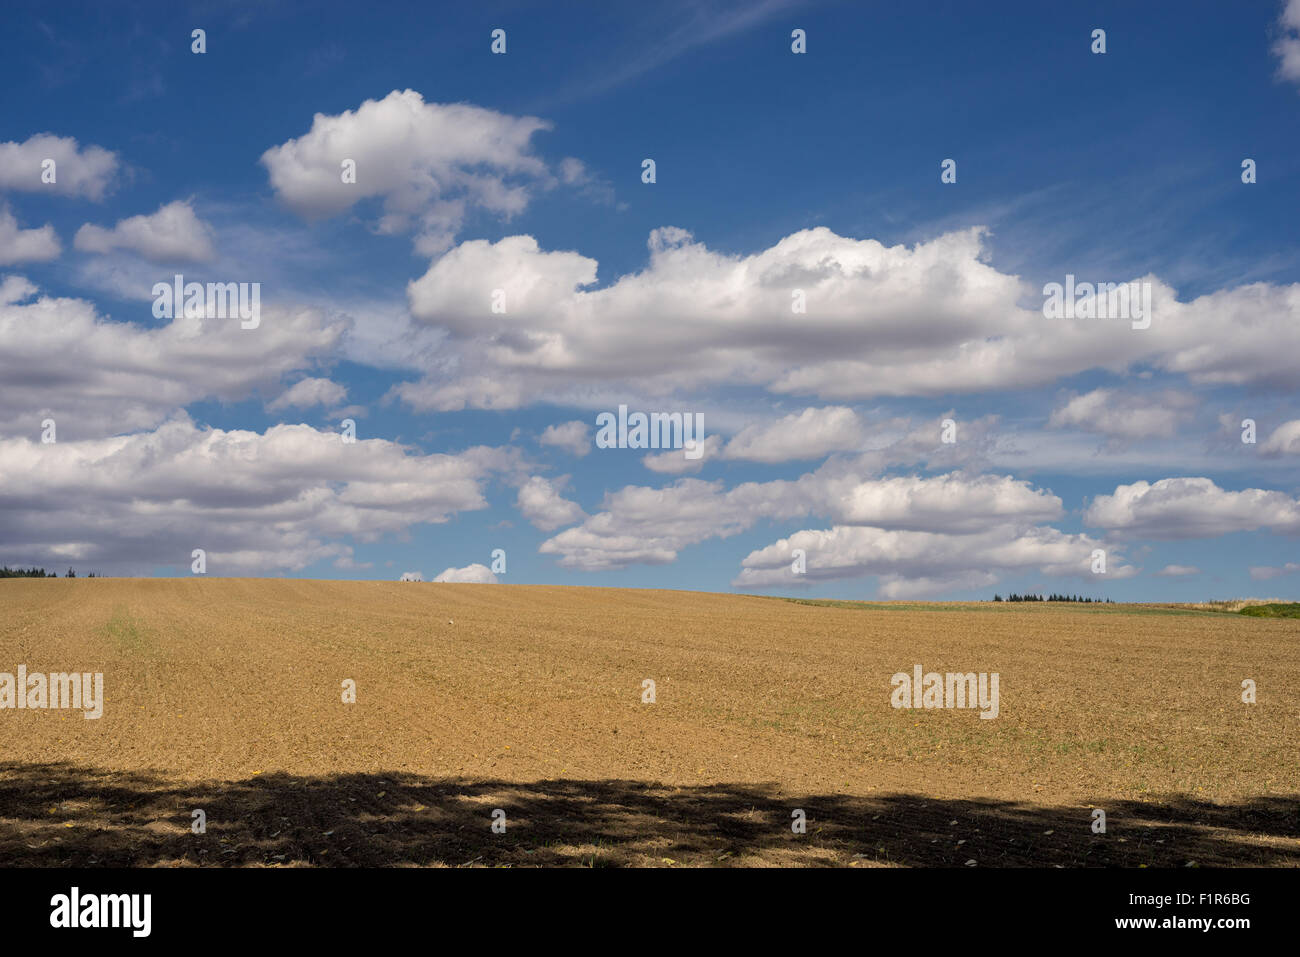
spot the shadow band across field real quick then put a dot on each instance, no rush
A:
(60, 815)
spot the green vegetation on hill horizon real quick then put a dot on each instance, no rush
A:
(1281, 609)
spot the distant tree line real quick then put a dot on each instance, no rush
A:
(1076, 598)
(7, 572)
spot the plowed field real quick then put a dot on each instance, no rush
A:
(226, 696)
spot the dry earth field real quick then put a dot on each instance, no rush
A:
(225, 695)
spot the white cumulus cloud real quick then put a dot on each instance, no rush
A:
(60, 358)
(430, 164)
(915, 563)
(89, 172)
(1285, 440)
(1124, 415)
(172, 234)
(928, 320)
(540, 502)
(255, 502)
(810, 434)
(18, 245)
(1175, 508)
(573, 437)
(473, 574)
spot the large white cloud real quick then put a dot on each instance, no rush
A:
(540, 502)
(255, 502)
(913, 564)
(816, 433)
(944, 503)
(1122, 415)
(18, 245)
(430, 164)
(470, 574)
(460, 289)
(1176, 508)
(927, 320)
(172, 234)
(647, 525)
(921, 535)
(640, 525)
(95, 376)
(88, 172)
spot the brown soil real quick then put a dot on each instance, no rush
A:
(225, 695)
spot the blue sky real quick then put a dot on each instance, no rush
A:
(776, 174)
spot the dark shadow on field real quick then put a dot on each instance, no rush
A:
(59, 815)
